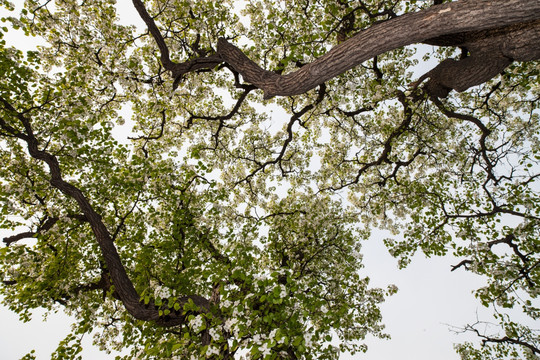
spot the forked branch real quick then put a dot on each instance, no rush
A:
(123, 286)
(518, 38)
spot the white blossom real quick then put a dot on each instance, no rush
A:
(307, 339)
(196, 323)
(229, 324)
(283, 292)
(163, 292)
(214, 334)
(212, 350)
(265, 350)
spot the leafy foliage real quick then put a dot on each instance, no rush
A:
(239, 220)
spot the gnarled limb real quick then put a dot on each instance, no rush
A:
(491, 51)
(459, 17)
(456, 17)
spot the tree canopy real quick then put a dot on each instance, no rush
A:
(268, 139)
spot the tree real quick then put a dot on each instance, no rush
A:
(219, 229)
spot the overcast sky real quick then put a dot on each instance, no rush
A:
(430, 299)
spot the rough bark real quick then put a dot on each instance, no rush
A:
(518, 19)
(451, 18)
(490, 52)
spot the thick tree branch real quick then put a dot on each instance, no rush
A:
(519, 40)
(455, 17)
(122, 284)
(490, 52)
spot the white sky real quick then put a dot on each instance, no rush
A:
(418, 317)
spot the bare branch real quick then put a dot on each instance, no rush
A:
(505, 339)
